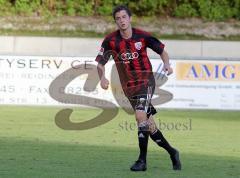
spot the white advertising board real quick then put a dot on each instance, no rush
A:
(195, 84)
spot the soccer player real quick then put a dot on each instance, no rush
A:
(128, 46)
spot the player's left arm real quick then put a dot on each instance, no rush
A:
(158, 47)
(165, 58)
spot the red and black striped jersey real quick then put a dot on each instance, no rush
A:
(130, 56)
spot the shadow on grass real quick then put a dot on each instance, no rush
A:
(43, 159)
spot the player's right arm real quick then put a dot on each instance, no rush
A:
(101, 73)
(102, 60)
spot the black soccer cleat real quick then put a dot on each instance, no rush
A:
(139, 165)
(176, 163)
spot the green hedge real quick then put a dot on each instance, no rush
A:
(206, 9)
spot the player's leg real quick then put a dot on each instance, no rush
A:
(139, 104)
(158, 137)
(143, 135)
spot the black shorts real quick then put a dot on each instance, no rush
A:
(141, 100)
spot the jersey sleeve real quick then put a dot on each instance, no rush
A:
(101, 57)
(155, 44)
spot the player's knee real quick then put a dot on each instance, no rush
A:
(140, 116)
(152, 125)
(143, 126)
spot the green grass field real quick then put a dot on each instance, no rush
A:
(31, 145)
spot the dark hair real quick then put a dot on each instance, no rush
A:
(119, 8)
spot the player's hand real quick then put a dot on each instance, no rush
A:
(167, 68)
(104, 83)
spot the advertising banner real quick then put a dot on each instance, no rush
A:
(62, 81)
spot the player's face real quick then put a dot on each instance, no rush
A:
(122, 20)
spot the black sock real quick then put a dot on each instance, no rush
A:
(158, 137)
(143, 136)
